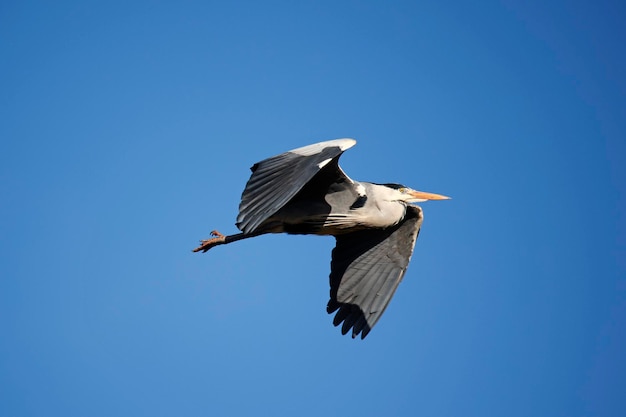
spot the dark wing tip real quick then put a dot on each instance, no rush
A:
(351, 317)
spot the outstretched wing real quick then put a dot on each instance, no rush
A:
(278, 179)
(366, 268)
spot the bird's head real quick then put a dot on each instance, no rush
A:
(409, 195)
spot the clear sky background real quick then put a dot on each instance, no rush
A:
(127, 130)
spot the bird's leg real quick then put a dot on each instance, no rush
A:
(206, 244)
(220, 239)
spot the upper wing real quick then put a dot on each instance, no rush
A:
(366, 268)
(276, 180)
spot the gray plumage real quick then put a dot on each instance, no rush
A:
(304, 191)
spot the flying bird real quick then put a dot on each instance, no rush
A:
(305, 191)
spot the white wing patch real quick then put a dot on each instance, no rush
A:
(324, 163)
(360, 189)
(316, 148)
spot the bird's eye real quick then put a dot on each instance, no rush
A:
(402, 190)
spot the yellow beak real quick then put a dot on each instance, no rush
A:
(420, 195)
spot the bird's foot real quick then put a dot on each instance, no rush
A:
(207, 244)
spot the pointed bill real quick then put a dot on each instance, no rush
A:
(423, 196)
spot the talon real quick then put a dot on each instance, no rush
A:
(206, 244)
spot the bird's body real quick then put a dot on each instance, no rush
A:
(304, 191)
(334, 211)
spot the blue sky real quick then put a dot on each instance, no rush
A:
(127, 132)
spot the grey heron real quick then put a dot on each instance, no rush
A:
(305, 191)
